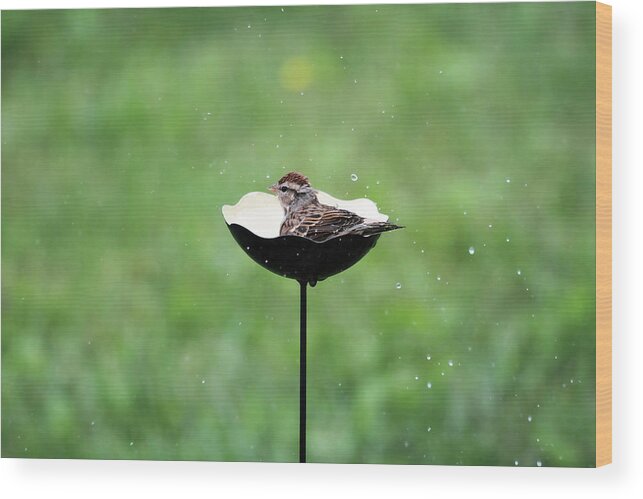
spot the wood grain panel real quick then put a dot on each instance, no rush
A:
(603, 234)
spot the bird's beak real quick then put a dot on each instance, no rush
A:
(273, 188)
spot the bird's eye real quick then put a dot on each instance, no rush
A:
(283, 188)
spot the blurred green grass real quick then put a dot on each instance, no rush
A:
(133, 327)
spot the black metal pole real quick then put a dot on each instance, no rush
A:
(302, 371)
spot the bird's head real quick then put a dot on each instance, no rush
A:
(293, 189)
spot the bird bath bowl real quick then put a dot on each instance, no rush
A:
(254, 222)
(300, 258)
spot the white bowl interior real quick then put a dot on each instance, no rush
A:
(261, 213)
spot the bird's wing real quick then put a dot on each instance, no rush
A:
(322, 222)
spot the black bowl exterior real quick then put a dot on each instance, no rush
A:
(300, 258)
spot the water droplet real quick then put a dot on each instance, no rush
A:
(519, 272)
(508, 180)
(491, 226)
(529, 418)
(428, 357)
(539, 463)
(472, 250)
(428, 429)
(203, 382)
(131, 443)
(429, 385)
(93, 423)
(416, 378)
(450, 363)
(398, 285)
(516, 462)
(507, 239)
(354, 177)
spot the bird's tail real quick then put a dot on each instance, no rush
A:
(373, 228)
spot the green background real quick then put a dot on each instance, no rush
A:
(134, 327)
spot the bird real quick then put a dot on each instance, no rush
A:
(305, 216)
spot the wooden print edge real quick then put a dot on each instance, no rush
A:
(603, 234)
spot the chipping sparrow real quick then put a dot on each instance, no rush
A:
(306, 217)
